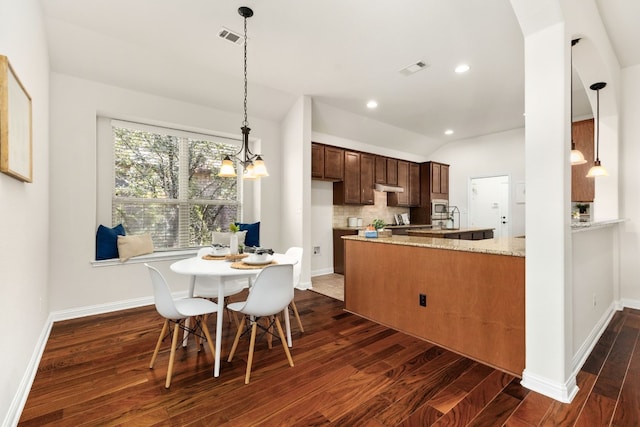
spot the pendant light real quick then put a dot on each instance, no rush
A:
(597, 169)
(577, 158)
(252, 164)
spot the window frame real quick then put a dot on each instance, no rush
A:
(105, 160)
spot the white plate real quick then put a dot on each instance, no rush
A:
(267, 261)
(220, 252)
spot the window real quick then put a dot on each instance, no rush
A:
(166, 184)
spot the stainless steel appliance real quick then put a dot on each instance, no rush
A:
(439, 210)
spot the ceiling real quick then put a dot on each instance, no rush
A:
(341, 53)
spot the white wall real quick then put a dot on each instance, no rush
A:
(322, 226)
(296, 177)
(630, 188)
(24, 213)
(485, 156)
(75, 283)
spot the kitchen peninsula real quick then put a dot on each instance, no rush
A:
(464, 295)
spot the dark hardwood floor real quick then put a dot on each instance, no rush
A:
(348, 371)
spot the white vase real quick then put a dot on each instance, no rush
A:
(233, 244)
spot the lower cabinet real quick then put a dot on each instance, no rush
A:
(338, 249)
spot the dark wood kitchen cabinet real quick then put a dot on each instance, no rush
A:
(338, 248)
(409, 179)
(327, 163)
(439, 180)
(392, 172)
(583, 188)
(367, 174)
(357, 185)
(414, 184)
(381, 170)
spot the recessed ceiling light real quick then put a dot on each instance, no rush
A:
(448, 132)
(372, 104)
(462, 68)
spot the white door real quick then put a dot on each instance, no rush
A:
(489, 204)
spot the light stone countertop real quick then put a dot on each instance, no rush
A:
(509, 246)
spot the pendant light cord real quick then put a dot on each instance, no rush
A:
(598, 123)
(245, 122)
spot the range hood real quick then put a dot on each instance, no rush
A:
(389, 188)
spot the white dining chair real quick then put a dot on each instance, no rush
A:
(175, 311)
(271, 293)
(295, 253)
(207, 287)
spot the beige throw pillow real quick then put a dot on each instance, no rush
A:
(222, 238)
(130, 246)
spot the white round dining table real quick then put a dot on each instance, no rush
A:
(222, 271)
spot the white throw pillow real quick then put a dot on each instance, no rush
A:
(130, 246)
(223, 238)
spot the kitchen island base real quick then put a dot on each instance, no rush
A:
(473, 304)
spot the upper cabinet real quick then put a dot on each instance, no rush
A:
(381, 170)
(327, 162)
(392, 172)
(434, 184)
(583, 188)
(439, 180)
(407, 177)
(355, 174)
(357, 186)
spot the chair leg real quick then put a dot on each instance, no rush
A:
(205, 328)
(155, 352)
(295, 311)
(267, 321)
(284, 343)
(174, 343)
(254, 328)
(235, 342)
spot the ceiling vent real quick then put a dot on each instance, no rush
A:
(413, 68)
(231, 36)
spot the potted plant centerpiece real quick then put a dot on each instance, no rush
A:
(233, 239)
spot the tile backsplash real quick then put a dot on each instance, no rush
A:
(368, 213)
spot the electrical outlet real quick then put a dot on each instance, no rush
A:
(316, 250)
(423, 300)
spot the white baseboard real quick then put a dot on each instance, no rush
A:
(17, 405)
(321, 272)
(563, 392)
(590, 342)
(20, 398)
(630, 303)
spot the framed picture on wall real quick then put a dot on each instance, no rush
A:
(15, 125)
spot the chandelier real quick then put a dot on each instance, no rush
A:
(252, 164)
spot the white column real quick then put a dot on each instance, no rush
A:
(548, 201)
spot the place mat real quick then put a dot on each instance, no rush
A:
(213, 257)
(225, 257)
(242, 266)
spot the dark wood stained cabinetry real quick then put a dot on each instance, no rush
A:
(583, 188)
(392, 172)
(327, 163)
(439, 180)
(354, 175)
(357, 186)
(408, 177)
(434, 184)
(367, 173)
(338, 249)
(381, 170)
(414, 184)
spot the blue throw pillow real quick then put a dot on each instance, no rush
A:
(253, 233)
(107, 241)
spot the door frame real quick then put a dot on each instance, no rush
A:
(509, 192)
